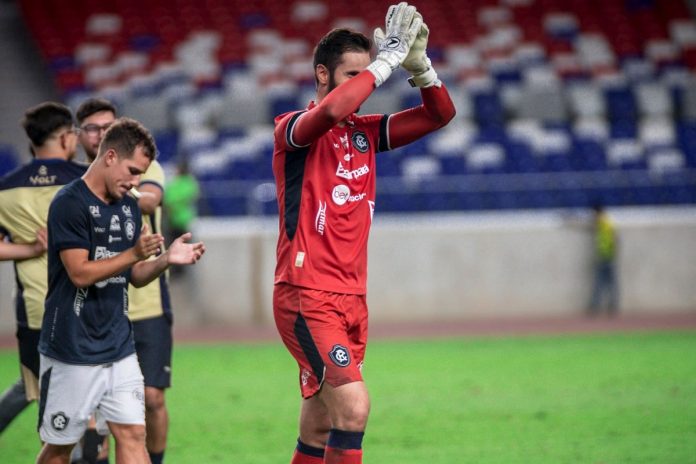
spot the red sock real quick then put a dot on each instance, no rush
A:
(342, 456)
(300, 458)
(305, 454)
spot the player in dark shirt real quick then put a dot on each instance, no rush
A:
(95, 249)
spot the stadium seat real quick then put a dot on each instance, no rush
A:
(553, 87)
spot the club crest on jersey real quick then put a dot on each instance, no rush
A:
(340, 356)
(94, 211)
(59, 421)
(130, 229)
(360, 142)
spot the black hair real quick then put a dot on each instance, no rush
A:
(93, 105)
(124, 136)
(44, 119)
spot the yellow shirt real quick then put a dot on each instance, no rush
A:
(25, 195)
(605, 238)
(151, 300)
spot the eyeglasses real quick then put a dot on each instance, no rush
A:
(95, 129)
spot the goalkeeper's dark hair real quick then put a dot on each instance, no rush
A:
(333, 45)
(93, 105)
(43, 120)
(124, 136)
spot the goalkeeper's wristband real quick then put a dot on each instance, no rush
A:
(427, 78)
(381, 70)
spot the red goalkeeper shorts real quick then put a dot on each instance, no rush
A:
(325, 332)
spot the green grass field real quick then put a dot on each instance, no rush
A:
(552, 399)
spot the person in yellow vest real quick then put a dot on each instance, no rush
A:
(25, 195)
(149, 307)
(605, 293)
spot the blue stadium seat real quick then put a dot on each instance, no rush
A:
(488, 109)
(167, 145)
(8, 159)
(621, 104)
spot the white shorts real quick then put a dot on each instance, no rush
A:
(71, 393)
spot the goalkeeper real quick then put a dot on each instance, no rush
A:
(324, 167)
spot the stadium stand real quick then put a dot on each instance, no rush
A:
(561, 103)
(8, 159)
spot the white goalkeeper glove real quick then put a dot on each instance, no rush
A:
(417, 62)
(402, 25)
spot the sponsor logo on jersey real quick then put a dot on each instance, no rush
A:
(341, 195)
(59, 421)
(299, 259)
(114, 239)
(372, 209)
(101, 252)
(340, 355)
(354, 174)
(42, 177)
(344, 141)
(320, 219)
(99, 230)
(115, 224)
(79, 303)
(94, 211)
(125, 300)
(127, 210)
(360, 141)
(306, 374)
(130, 229)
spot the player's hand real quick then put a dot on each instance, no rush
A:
(182, 252)
(41, 243)
(393, 44)
(148, 244)
(417, 62)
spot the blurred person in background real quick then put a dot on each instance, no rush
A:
(97, 246)
(149, 306)
(324, 167)
(25, 196)
(605, 292)
(180, 200)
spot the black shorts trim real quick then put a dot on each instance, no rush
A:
(309, 348)
(153, 344)
(28, 344)
(45, 381)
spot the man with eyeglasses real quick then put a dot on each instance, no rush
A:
(25, 195)
(149, 308)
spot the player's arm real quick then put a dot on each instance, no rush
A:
(402, 25)
(20, 251)
(84, 272)
(340, 103)
(180, 252)
(149, 197)
(409, 125)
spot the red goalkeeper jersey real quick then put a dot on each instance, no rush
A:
(326, 199)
